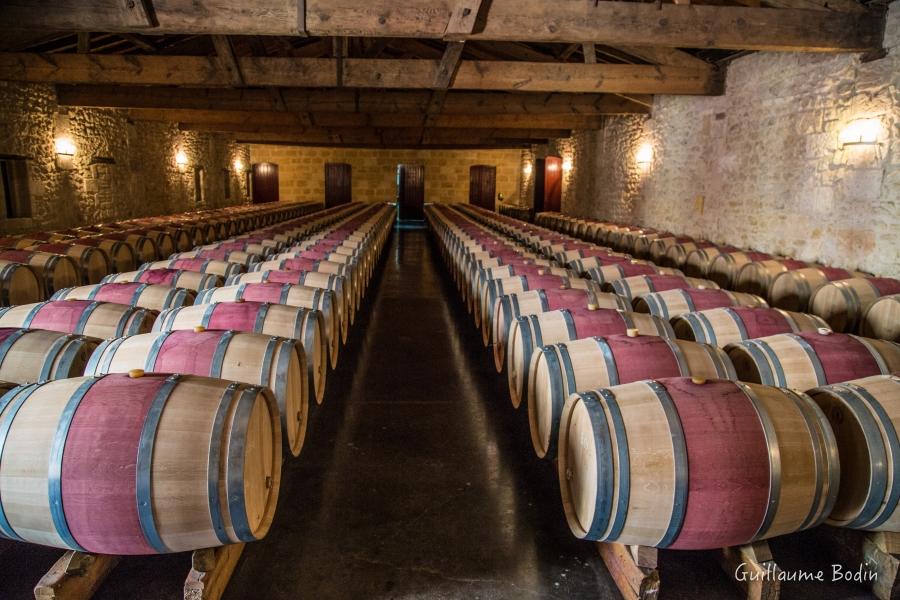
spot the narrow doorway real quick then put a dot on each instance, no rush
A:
(482, 185)
(411, 192)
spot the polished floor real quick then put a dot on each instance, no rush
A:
(417, 480)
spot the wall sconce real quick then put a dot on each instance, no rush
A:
(861, 132)
(644, 155)
(567, 164)
(238, 165)
(65, 153)
(181, 160)
(527, 169)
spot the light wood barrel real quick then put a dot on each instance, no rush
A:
(843, 303)
(584, 265)
(676, 464)
(145, 295)
(698, 260)
(145, 249)
(244, 259)
(188, 280)
(676, 254)
(121, 254)
(559, 370)
(723, 269)
(673, 303)
(882, 319)
(273, 362)
(320, 266)
(728, 325)
(32, 355)
(19, 284)
(302, 324)
(340, 285)
(56, 271)
(810, 359)
(491, 291)
(106, 465)
(290, 295)
(166, 243)
(93, 263)
(792, 290)
(660, 247)
(609, 273)
(756, 277)
(221, 268)
(632, 287)
(527, 334)
(102, 320)
(864, 415)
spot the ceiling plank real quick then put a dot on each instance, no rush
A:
(346, 101)
(850, 6)
(227, 60)
(590, 53)
(612, 23)
(666, 56)
(367, 73)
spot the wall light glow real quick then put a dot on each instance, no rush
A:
(567, 164)
(861, 132)
(181, 159)
(644, 154)
(65, 146)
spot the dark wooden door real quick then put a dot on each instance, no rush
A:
(538, 185)
(552, 183)
(482, 185)
(265, 183)
(411, 192)
(338, 188)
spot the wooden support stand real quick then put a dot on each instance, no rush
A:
(876, 554)
(635, 570)
(75, 576)
(211, 570)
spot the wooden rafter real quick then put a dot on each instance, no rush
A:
(227, 60)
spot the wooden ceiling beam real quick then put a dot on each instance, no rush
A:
(227, 59)
(612, 23)
(357, 73)
(410, 132)
(344, 101)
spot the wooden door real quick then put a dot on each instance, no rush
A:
(482, 185)
(265, 183)
(411, 192)
(552, 184)
(538, 185)
(338, 189)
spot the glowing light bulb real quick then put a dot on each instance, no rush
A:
(65, 146)
(644, 155)
(861, 131)
(181, 159)
(567, 164)
(238, 165)
(527, 169)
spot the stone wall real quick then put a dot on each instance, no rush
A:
(121, 168)
(762, 166)
(301, 171)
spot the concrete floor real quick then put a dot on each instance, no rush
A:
(417, 480)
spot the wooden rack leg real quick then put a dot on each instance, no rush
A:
(211, 571)
(881, 554)
(752, 568)
(75, 576)
(633, 569)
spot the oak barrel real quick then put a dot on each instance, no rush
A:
(93, 263)
(102, 320)
(672, 303)
(121, 254)
(189, 280)
(694, 464)
(340, 285)
(19, 284)
(144, 295)
(792, 290)
(106, 465)
(882, 319)
(268, 361)
(221, 268)
(723, 269)
(32, 355)
(559, 370)
(813, 358)
(843, 303)
(55, 271)
(638, 285)
(728, 325)
(621, 270)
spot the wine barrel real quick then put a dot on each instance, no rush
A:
(106, 465)
(809, 359)
(728, 325)
(632, 287)
(320, 266)
(344, 300)
(698, 260)
(559, 370)
(188, 280)
(144, 248)
(31, 355)
(102, 320)
(843, 303)
(165, 241)
(144, 295)
(529, 333)
(675, 255)
(660, 246)
(510, 307)
(724, 267)
(584, 265)
(220, 268)
(290, 295)
(121, 254)
(792, 290)
(273, 362)
(882, 319)
(756, 277)
(492, 290)
(302, 324)
(56, 271)
(93, 263)
(864, 415)
(609, 273)
(243, 259)
(673, 303)
(674, 463)
(19, 284)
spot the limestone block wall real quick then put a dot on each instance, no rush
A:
(121, 168)
(764, 165)
(301, 171)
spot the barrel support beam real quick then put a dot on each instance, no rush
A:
(211, 570)
(75, 576)
(752, 568)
